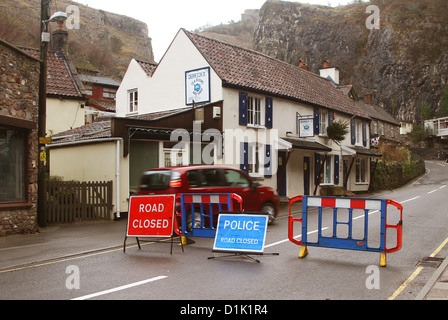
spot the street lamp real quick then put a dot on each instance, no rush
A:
(58, 17)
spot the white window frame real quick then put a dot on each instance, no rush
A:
(133, 97)
(327, 172)
(254, 112)
(323, 122)
(180, 156)
(375, 127)
(254, 160)
(110, 93)
(89, 89)
(358, 133)
(361, 176)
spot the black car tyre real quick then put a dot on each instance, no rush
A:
(269, 209)
(197, 220)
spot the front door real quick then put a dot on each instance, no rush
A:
(345, 172)
(281, 174)
(306, 175)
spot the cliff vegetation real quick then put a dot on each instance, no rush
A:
(105, 41)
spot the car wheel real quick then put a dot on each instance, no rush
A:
(197, 220)
(268, 208)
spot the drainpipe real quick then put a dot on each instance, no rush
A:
(117, 179)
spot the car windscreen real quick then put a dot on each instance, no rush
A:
(155, 180)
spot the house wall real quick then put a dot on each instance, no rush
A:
(406, 127)
(19, 100)
(354, 186)
(165, 90)
(384, 130)
(63, 115)
(284, 121)
(93, 162)
(135, 77)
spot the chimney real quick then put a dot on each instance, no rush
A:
(368, 98)
(60, 40)
(303, 65)
(332, 72)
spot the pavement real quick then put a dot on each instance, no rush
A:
(57, 242)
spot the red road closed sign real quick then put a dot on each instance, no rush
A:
(151, 216)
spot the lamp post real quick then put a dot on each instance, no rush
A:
(41, 131)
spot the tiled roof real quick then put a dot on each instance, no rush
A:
(91, 131)
(106, 105)
(99, 80)
(102, 129)
(148, 67)
(160, 114)
(60, 80)
(378, 113)
(252, 70)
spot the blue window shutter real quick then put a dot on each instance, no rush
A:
(243, 108)
(244, 157)
(353, 130)
(316, 168)
(364, 134)
(268, 161)
(316, 120)
(269, 112)
(336, 169)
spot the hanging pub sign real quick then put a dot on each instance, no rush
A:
(197, 86)
(306, 128)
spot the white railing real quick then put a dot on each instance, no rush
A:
(442, 132)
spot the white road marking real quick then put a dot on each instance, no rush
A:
(410, 199)
(139, 283)
(286, 240)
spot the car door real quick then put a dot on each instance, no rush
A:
(237, 182)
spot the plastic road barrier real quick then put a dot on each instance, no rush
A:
(331, 208)
(200, 211)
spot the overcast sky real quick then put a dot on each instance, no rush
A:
(165, 18)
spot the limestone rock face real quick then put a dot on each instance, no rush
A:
(404, 63)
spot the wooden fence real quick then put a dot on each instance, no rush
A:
(72, 201)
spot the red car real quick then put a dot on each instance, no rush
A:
(211, 179)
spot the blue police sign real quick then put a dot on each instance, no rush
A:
(241, 233)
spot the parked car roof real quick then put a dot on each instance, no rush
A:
(185, 168)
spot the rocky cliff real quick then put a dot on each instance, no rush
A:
(240, 33)
(404, 62)
(104, 41)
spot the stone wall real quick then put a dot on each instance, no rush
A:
(19, 107)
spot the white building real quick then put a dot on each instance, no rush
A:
(437, 127)
(262, 94)
(207, 83)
